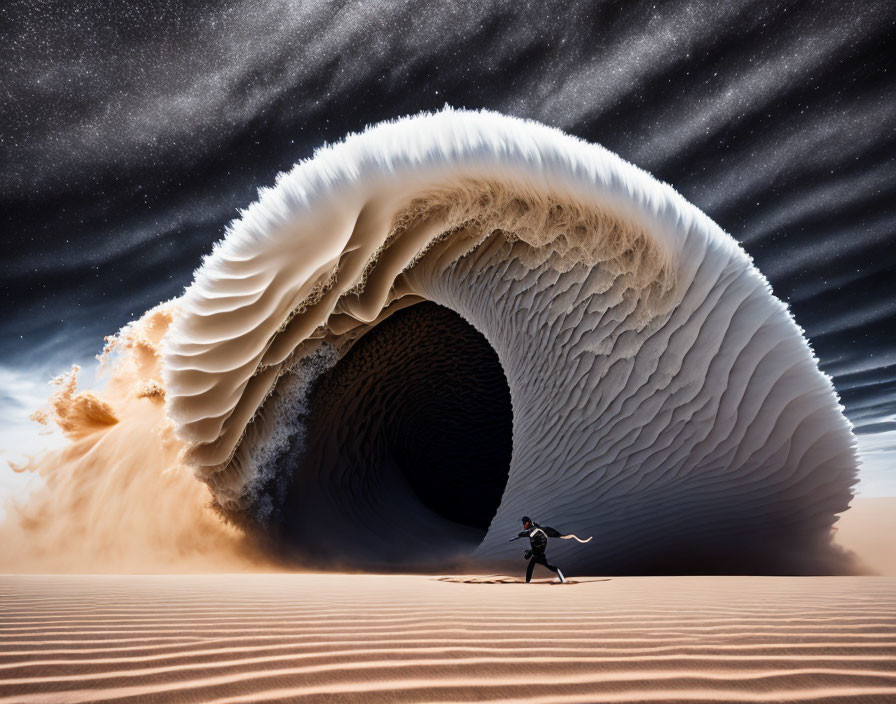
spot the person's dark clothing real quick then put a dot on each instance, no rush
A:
(538, 541)
(541, 560)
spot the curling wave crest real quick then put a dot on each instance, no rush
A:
(649, 388)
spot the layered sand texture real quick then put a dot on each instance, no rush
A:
(661, 396)
(374, 638)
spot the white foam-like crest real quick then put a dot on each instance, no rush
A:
(660, 391)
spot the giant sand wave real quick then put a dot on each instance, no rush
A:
(451, 320)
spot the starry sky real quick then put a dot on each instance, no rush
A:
(132, 132)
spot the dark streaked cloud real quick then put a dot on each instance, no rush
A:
(131, 132)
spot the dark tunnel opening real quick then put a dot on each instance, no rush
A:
(408, 443)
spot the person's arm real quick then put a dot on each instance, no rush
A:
(522, 534)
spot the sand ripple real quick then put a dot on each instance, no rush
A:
(253, 638)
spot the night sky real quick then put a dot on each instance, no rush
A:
(131, 133)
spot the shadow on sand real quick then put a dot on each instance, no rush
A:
(504, 579)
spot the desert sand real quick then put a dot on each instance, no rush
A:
(398, 638)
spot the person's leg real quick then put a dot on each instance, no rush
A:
(554, 568)
(530, 568)
(536, 558)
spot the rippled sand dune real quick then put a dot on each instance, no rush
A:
(253, 638)
(435, 327)
(467, 304)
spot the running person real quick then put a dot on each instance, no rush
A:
(538, 541)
